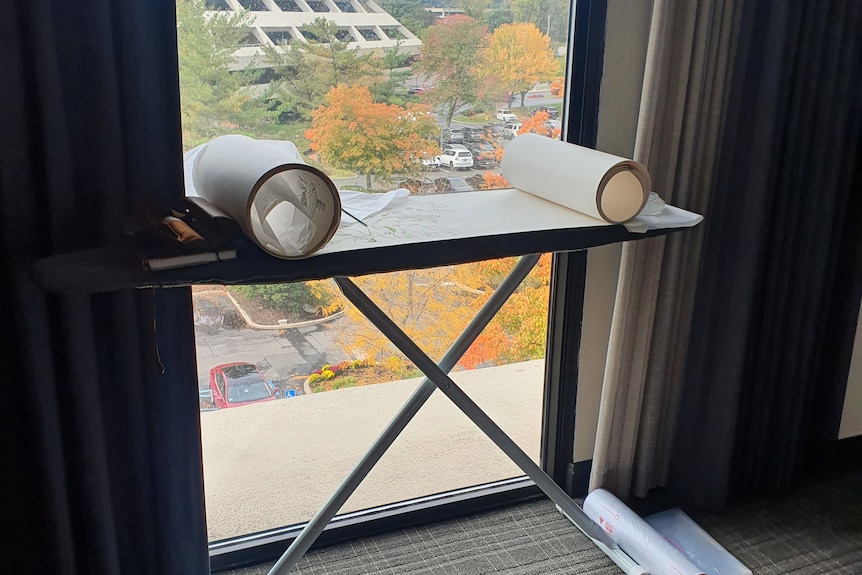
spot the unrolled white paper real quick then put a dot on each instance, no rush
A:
(286, 207)
(600, 185)
(643, 543)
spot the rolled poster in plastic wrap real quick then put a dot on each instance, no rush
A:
(600, 185)
(634, 535)
(289, 209)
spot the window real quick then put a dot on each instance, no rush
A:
(310, 35)
(369, 34)
(254, 5)
(217, 5)
(250, 40)
(279, 38)
(288, 5)
(318, 6)
(344, 35)
(335, 379)
(394, 33)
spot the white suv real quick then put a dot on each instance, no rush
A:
(511, 130)
(456, 156)
(505, 115)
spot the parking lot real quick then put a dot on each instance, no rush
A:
(441, 178)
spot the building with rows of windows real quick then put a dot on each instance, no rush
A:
(278, 23)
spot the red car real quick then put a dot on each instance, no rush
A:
(237, 384)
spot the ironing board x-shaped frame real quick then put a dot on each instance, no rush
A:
(436, 378)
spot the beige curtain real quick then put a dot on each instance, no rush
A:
(679, 130)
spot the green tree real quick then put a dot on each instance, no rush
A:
(474, 8)
(214, 98)
(518, 56)
(449, 56)
(496, 16)
(353, 132)
(549, 16)
(306, 70)
(396, 72)
(411, 14)
(288, 298)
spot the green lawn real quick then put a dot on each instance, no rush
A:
(477, 119)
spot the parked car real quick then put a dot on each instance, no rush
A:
(456, 156)
(431, 163)
(452, 136)
(494, 130)
(239, 383)
(511, 130)
(484, 156)
(505, 115)
(553, 113)
(474, 134)
(415, 90)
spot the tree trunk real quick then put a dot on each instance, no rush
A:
(367, 182)
(523, 95)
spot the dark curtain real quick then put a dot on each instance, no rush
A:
(99, 411)
(779, 288)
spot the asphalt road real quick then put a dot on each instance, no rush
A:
(280, 355)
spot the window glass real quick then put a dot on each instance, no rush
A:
(456, 83)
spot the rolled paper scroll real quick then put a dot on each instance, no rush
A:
(286, 207)
(600, 185)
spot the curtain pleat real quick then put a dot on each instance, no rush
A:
(780, 284)
(679, 129)
(100, 418)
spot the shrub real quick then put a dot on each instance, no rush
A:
(330, 371)
(287, 297)
(345, 381)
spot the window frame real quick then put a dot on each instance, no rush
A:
(584, 64)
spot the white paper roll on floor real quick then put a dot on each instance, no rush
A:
(601, 185)
(634, 535)
(286, 207)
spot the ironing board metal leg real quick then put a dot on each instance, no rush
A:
(433, 372)
(320, 520)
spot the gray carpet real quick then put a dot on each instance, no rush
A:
(815, 529)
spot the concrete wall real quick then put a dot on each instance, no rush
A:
(851, 419)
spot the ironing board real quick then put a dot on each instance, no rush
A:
(414, 232)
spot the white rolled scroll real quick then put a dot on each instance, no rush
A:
(600, 185)
(634, 535)
(286, 207)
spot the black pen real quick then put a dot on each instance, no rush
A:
(354, 217)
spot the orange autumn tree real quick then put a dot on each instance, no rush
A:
(518, 56)
(556, 87)
(493, 181)
(433, 306)
(351, 131)
(517, 332)
(538, 124)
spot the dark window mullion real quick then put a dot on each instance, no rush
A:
(569, 270)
